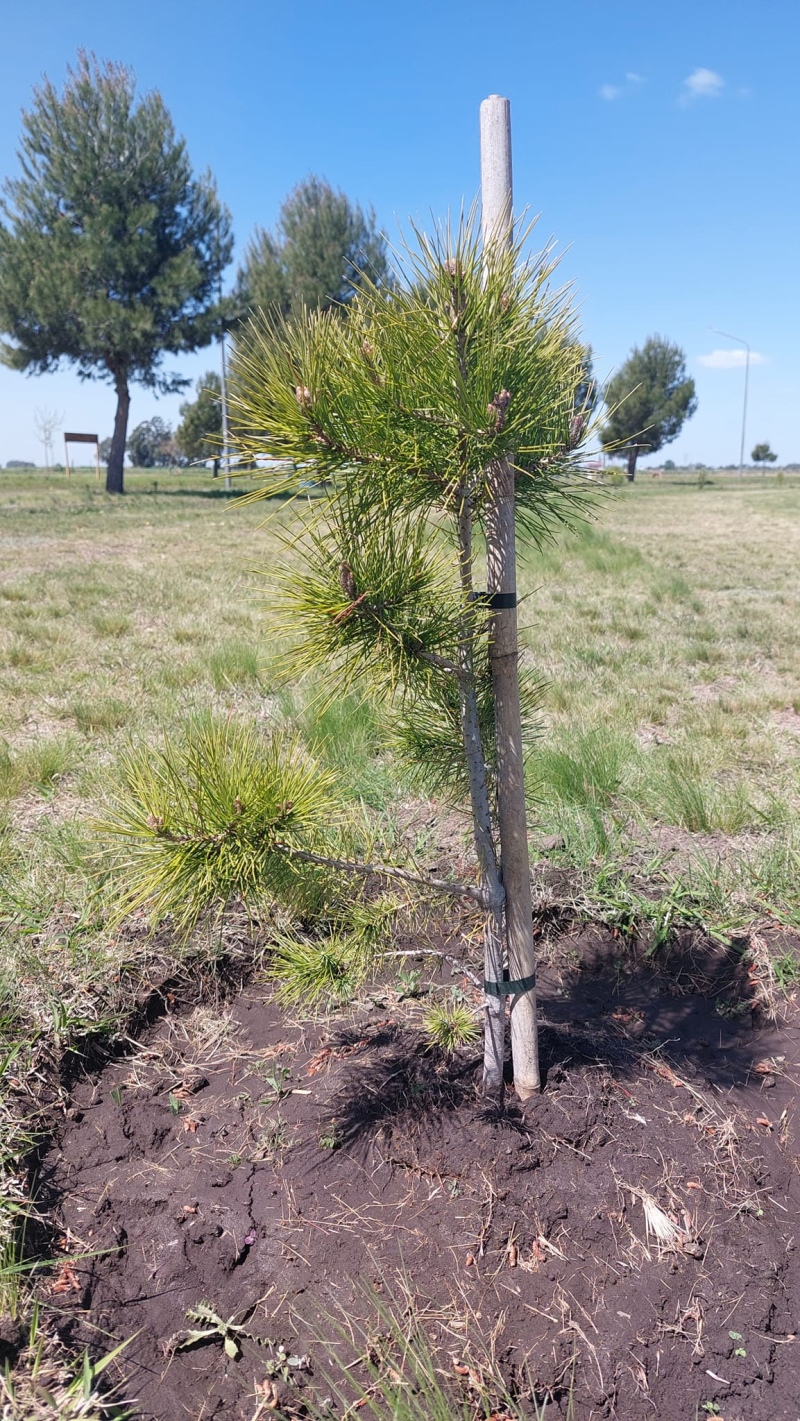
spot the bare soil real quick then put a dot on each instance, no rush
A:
(275, 1171)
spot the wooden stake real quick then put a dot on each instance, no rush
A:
(497, 228)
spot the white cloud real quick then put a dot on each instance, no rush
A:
(703, 84)
(615, 91)
(730, 359)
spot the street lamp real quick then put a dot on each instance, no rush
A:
(739, 341)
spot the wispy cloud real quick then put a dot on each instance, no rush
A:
(609, 92)
(730, 359)
(702, 84)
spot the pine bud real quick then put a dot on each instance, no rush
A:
(347, 581)
(496, 410)
(303, 396)
(576, 427)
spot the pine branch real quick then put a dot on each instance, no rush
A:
(382, 870)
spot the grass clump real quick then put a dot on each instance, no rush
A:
(681, 796)
(234, 664)
(587, 769)
(104, 713)
(38, 767)
(403, 1375)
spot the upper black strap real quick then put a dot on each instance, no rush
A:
(495, 601)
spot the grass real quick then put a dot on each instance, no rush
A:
(667, 639)
(668, 770)
(665, 634)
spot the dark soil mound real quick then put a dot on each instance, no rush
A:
(632, 1242)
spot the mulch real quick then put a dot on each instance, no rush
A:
(284, 1174)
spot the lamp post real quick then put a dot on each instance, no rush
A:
(739, 341)
(226, 455)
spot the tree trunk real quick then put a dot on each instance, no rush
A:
(633, 454)
(501, 582)
(115, 482)
(494, 1004)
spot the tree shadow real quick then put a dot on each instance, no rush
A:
(628, 1024)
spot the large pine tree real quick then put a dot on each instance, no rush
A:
(323, 249)
(110, 251)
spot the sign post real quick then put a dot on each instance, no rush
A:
(82, 439)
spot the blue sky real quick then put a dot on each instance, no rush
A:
(659, 143)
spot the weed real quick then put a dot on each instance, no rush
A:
(273, 1142)
(787, 971)
(276, 1078)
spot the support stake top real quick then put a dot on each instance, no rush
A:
(496, 179)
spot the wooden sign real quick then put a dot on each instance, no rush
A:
(82, 439)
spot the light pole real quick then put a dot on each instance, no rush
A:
(226, 457)
(739, 341)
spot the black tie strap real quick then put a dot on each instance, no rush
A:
(507, 988)
(495, 601)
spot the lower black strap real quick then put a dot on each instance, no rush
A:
(507, 988)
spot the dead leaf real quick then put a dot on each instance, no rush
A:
(269, 1393)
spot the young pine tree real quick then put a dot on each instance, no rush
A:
(408, 417)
